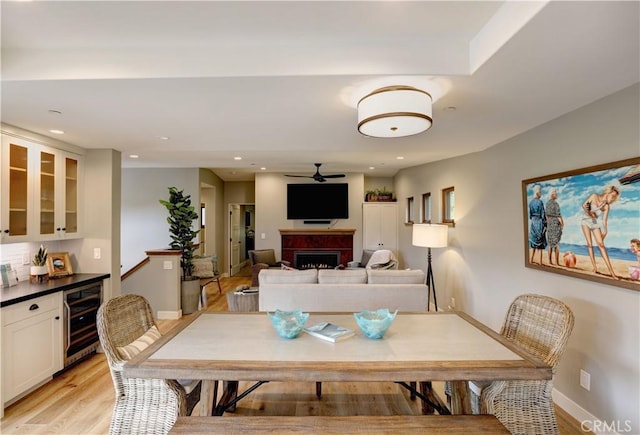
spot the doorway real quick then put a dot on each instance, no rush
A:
(241, 238)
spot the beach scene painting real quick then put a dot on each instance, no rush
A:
(585, 223)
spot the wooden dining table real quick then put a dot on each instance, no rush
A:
(224, 346)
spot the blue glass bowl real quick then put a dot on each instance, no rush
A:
(288, 324)
(374, 324)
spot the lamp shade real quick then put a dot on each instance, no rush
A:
(430, 235)
(394, 111)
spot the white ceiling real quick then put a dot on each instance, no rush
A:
(276, 82)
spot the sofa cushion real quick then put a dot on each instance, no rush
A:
(395, 276)
(332, 276)
(266, 256)
(202, 267)
(138, 345)
(278, 276)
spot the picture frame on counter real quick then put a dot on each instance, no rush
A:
(59, 264)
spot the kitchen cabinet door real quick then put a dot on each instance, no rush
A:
(32, 345)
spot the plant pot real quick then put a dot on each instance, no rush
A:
(190, 295)
(38, 273)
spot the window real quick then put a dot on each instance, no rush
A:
(410, 213)
(448, 206)
(426, 208)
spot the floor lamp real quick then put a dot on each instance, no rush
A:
(430, 236)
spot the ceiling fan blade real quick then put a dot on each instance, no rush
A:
(297, 176)
(334, 176)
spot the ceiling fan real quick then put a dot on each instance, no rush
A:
(318, 176)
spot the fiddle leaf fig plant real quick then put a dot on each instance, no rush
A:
(180, 220)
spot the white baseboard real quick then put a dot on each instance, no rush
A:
(173, 315)
(584, 417)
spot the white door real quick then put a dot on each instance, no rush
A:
(234, 238)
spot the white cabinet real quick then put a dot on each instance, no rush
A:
(31, 344)
(380, 226)
(40, 192)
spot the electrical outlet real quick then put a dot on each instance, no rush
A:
(263, 236)
(585, 380)
(26, 259)
(453, 302)
(97, 253)
(167, 265)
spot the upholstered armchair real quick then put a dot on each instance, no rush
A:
(263, 259)
(375, 259)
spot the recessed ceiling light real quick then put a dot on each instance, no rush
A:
(372, 167)
(263, 168)
(450, 109)
(56, 131)
(164, 137)
(133, 156)
(399, 158)
(237, 158)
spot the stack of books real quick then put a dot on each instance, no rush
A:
(329, 331)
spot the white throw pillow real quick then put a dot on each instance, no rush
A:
(138, 345)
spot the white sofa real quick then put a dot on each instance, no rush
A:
(347, 290)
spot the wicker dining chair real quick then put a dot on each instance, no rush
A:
(541, 326)
(142, 406)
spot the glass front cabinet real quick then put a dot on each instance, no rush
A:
(40, 192)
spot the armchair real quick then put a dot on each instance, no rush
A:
(263, 259)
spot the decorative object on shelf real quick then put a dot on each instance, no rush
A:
(394, 111)
(9, 277)
(38, 272)
(59, 264)
(379, 195)
(584, 223)
(288, 324)
(180, 220)
(374, 324)
(430, 236)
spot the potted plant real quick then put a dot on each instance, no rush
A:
(385, 195)
(39, 268)
(180, 220)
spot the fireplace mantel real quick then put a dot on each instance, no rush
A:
(317, 240)
(302, 231)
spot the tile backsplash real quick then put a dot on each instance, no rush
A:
(18, 253)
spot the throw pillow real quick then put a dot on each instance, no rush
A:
(138, 345)
(202, 267)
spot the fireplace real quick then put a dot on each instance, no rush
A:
(316, 260)
(326, 248)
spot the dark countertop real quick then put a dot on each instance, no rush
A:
(26, 290)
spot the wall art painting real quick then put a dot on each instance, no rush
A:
(585, 223)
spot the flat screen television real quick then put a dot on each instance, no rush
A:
(318, 201)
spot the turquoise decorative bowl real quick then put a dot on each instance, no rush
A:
(374, 324)
(288, 324)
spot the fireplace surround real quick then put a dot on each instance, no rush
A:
(330, 247)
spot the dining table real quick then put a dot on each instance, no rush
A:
(228, 346)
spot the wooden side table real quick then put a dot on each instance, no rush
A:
(244, 302)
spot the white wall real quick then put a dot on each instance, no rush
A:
(144, 219)
(484, 266)
(271, 211)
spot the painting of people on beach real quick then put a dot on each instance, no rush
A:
(586, 223)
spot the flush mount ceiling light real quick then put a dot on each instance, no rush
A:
(394, 111)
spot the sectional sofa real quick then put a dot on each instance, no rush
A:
(347, 290)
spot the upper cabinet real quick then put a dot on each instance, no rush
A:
(40, 192)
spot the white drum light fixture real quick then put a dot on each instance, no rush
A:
(394, 111)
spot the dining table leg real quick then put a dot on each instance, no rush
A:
(460, 398)
(208, 395)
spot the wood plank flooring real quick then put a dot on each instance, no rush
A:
(80, 400)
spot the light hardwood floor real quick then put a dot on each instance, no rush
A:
(79, 400)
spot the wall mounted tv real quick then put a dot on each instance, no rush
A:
(318, 201)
